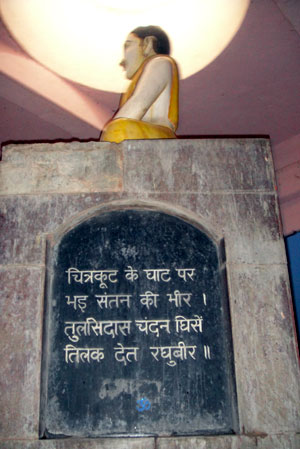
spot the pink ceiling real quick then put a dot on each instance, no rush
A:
(252, 88)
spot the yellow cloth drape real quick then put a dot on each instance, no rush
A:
(121, 129)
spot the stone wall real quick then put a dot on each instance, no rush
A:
(227, 185)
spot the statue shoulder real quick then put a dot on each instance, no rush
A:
(161, 60)
(162, 65)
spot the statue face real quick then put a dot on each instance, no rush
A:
(133, 55)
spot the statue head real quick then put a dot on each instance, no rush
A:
(142, 43)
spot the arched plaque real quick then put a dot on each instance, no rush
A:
(137, 331)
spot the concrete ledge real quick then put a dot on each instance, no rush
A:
(208, 165)
(220, 442)
(202, 165)
(53, 168)
(278, 441)
(71, 443)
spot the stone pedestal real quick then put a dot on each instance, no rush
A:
(227, 186)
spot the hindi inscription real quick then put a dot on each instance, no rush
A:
(137, 336)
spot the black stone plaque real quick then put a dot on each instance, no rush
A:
(137, 334)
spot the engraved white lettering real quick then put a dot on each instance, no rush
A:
(179, 298)
(125, 354)
(149, 299)
(78, 301)
(185, 324)
(153, 326)
(157, 275)
(74, 329)
(78, 355)
(85, 276)
(131, 274)
(207, 352)
(183, 273)
(113, 301)
(181, 351)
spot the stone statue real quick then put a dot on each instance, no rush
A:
(149, 108)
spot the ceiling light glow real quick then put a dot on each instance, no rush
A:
(83, 39)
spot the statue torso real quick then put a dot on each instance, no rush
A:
(158, 113)
(164, 110)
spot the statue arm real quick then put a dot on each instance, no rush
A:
(157, 75)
